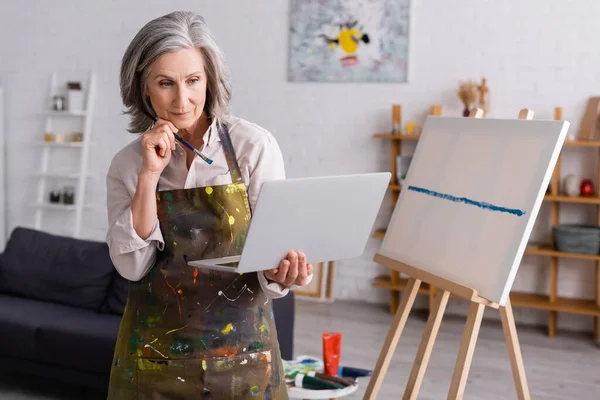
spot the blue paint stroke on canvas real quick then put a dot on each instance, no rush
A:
(485, 206)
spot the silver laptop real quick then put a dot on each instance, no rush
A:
(327, 218)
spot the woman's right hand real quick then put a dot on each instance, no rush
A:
(157, 145)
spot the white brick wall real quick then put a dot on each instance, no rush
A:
(538, 54)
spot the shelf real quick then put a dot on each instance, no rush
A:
(66, 113)
(60, 207)
(573, 199)
(385, 282)
(563, 304)
(582, 143)
(547, 250)
(538, 249)
(62, 144)
(567, 143)
(518, 299)
(60, 175)
(395, 137)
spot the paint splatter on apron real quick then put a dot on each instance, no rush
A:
(190, 333)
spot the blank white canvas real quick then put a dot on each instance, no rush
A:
(458, 214)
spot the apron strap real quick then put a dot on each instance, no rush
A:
(234, 168)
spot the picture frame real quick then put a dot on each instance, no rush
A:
(321, 286)
(588, 129)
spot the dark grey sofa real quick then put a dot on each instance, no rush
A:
(61, 302)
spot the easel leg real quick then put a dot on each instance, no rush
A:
(465, 353)
(514, 351)
(436, 314)
(389, 346)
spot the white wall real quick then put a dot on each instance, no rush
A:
(537, 54)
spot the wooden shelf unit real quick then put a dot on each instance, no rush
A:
(551, 302)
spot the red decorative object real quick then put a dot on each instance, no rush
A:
(587, 188)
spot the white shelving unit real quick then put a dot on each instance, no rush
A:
(80, 177)
(3, 226)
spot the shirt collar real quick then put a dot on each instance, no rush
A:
(211, 136)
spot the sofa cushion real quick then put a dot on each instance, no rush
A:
(83, 340)
(61, 269)
(19, 321)
(57, 334)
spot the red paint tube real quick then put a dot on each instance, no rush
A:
(332, 343)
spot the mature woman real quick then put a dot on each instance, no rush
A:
(187, 332)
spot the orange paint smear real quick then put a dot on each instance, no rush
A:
(176, 297)
(225, 351)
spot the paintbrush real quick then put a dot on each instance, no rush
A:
(192, 148)
(186, 144)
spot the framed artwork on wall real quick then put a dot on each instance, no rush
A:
(321, 286)
(349, 40)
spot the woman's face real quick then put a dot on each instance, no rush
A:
(176, 86)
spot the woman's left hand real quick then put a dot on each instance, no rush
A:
(292, 270)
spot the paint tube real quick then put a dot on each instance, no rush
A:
(350, 372)
(310, 382)
(332, 343)
(325, 377)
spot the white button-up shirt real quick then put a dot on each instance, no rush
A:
(259, 159)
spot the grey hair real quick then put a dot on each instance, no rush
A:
(169, 33)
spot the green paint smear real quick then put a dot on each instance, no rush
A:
(256, 346)
(240, 240)
(181, 348)
(168, 196)
(200, 342)
(134, 342)
(152, 275)
(151, 321)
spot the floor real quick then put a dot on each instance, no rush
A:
(564, 367)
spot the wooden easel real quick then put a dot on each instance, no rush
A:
(467, 347)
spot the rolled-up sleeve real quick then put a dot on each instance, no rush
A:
(131, 255)
(274, 290)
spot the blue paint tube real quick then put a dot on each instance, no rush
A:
(350, 372)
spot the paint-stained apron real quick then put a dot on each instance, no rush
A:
(191, 333)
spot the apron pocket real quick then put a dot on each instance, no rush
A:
(245, 376)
